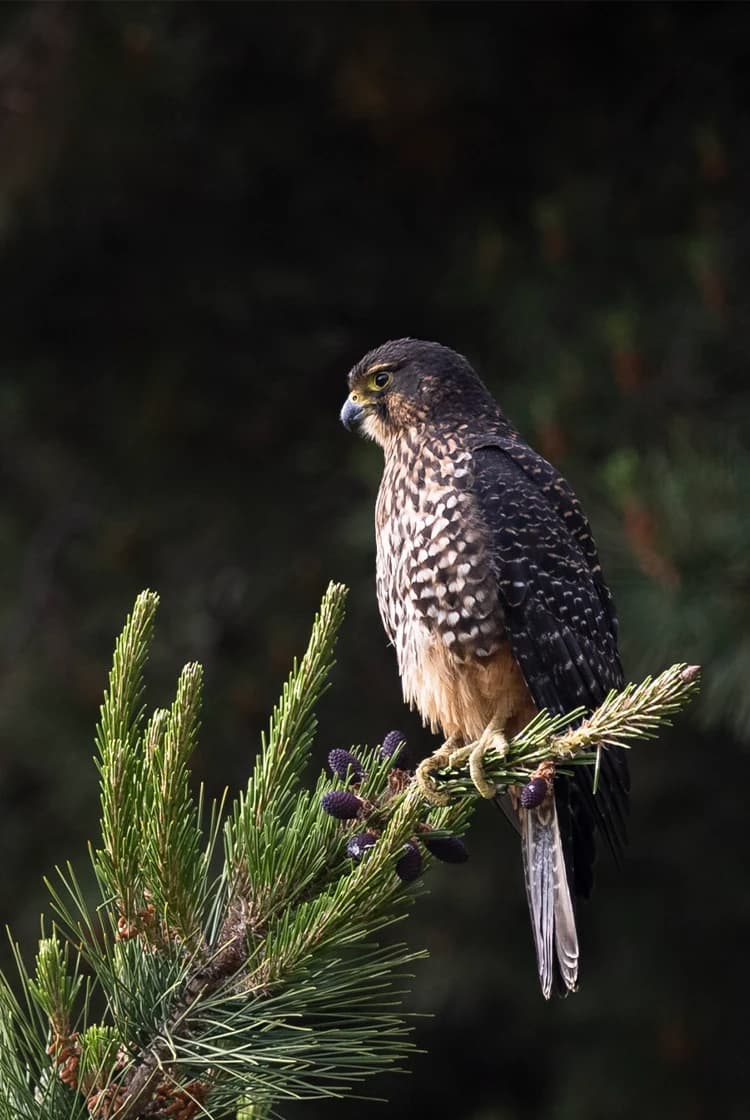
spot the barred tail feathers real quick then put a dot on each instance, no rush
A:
(550, 904)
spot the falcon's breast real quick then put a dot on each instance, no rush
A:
(438, 590)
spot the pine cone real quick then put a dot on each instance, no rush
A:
(342, 762)
(394, 747)
(449, 849)
(534, 793)
(360, 844)
(410, 864)
(342, 804)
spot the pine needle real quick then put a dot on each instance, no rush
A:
(266, 982)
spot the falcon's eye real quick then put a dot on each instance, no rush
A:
(380, 380)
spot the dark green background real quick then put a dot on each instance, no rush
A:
(207, 214)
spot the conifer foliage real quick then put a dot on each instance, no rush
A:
(231, 960)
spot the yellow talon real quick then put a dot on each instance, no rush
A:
(476, 770)
(492, 738)
(427, 767)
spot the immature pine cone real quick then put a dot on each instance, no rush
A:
(534, 793)
(342, 804)
(360, 844)
(390, 748)
(449, 849)
(342, 762)
(410, 864)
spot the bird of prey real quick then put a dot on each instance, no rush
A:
(490, 588)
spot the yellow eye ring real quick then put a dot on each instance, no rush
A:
(379, 380)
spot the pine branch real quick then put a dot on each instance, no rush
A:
(286, 748)
(54, 988)
(121, 764)
(173, 860)
(635, 714)
(268, 984)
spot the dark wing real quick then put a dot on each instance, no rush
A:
(561, 624)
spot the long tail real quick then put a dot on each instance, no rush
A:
(550, 904)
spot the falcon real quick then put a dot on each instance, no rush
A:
(490, 588)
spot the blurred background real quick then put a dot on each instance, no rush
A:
(208, 212)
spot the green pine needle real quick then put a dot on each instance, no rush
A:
(121, 763)
(173, 861)
(266, 983)
(54, 987)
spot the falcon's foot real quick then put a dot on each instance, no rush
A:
(424, 776)
(492, 738)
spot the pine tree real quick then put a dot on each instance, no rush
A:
(233, 958)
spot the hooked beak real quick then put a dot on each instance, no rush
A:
(352, 415)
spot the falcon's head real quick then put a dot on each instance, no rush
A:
(407, 384)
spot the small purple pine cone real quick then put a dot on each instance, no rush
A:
(360, 844)
(341, 761)
(449, 849)
(534, 793)
(390, 748)
(410, 864)
(340, 803)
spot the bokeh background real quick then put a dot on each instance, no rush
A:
(208, 212)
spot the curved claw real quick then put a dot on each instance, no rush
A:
(491, 739)
(476, 771)
(427, 767)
